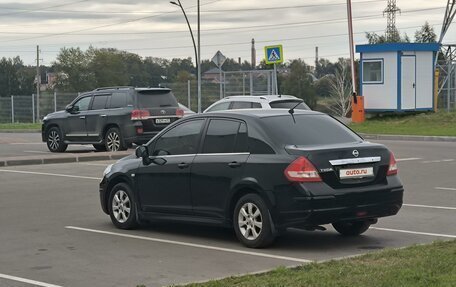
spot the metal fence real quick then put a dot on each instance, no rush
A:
(447, 85)
(23, 109)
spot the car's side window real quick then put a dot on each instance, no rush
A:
(256, 105)
(221, 136)
(82, 104)
(182, 139)
(242, 139)
(119, 100)
(241, 105)
(257, 145)
(99, 102)
(220, 107)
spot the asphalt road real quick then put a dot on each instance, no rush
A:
(54, 232)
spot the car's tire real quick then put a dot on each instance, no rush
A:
(351, 228)
(113, 140)
(54, 140)
(100, 147)
(122, 207)
(252, 222)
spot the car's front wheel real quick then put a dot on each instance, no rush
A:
(122, 207)
(54, 140)
(252, 222)
(114, 141)
(351, 228)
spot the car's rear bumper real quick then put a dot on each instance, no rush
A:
(367, 203)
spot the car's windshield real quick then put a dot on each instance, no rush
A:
(309, 130)
(156, 99)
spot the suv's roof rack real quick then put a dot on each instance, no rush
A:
(115, 87)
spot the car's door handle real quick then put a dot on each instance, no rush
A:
(82, 117)
(103, 116)
(234, 164)
(183, 165)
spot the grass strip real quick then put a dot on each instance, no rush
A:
(419, 265)
(427, 124)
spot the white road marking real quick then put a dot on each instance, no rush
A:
(408, 159)
(430, 206)
(438, 161)
(414, 232)
(49, 174)
(181, 243)
(445, 188)
(28, 281)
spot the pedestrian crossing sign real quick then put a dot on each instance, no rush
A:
(274, 54)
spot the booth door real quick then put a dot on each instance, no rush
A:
(408, 82)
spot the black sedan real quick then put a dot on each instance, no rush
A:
(259, 172)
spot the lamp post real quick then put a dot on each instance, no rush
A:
(197, 53)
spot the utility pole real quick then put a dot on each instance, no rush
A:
(199, 57)
(38, 83)
(390, 11)
(316, 57)
(253, 55)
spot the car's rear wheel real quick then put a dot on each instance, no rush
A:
(114, 140)
(351, 228)
(122, 207)
(252, 222)
(100, 147)
(54, 140)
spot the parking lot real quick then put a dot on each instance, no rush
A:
(55, 234)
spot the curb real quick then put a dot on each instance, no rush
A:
(409, 138)
(20, 131)
(67, 158)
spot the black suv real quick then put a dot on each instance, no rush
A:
(111, 118)
(260, 172)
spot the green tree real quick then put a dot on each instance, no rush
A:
(426, 34)
(374, 38)
(297, 82)
(74, 67)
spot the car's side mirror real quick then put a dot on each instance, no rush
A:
(69, 108)
(142, 152)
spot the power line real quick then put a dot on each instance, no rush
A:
(24, 11)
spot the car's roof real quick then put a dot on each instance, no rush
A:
(266, 98)
(256, 113)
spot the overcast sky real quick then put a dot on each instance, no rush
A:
(157, 28)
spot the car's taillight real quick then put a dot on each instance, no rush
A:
(139, 114)
(180, 113)
(392, 168)
(302, 170)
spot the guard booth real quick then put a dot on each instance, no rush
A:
(397, 77)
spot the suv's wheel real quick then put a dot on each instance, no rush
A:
(351, 228)
(122, 207)
(252, 222)
(114, 141)
(100, 147)
(54, 140)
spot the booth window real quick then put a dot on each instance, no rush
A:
(372, 71)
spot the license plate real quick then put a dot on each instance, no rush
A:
(356, 172)
(162, 121)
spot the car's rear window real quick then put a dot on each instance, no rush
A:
(156, 99)
(309, 130)
(288, 105)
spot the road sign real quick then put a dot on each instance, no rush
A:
(273, 54)
(219, 59)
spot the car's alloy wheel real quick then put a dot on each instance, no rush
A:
(54, 140)
(250, 221)
(253, 222)
(122, 207)
(114, 141)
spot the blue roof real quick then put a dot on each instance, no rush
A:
(394, 47)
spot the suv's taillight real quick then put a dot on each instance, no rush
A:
(392, 168)
(302, 170)
(139, 114)
(180, 113)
